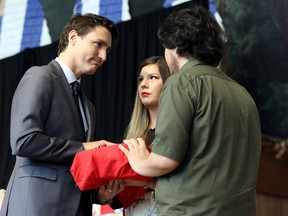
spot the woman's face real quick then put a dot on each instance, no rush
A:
(150, 84)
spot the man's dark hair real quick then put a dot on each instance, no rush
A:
(83, 24)
(195, 33)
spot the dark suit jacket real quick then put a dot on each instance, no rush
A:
(45, 136)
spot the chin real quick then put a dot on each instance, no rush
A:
(91, 72)
(94, 69)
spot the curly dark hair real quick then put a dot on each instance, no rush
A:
(195, 33)
(83, 24)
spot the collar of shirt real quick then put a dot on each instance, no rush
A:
(70, 76)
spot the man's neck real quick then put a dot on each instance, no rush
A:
(182, 60)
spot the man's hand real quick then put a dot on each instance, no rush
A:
(149, 184)
(281, 149)
(96, 144)
(137, 152)
(145, 163)
(109, 191)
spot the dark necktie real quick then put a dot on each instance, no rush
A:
(75, 91)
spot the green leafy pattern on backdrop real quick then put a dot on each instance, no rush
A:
(257, 55)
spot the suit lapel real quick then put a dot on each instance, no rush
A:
(59, 74)
(88, 116)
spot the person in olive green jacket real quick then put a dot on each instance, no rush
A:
(206, 151)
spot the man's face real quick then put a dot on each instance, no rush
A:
(91, 50)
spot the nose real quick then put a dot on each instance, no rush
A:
(103, 55)
(144, 83)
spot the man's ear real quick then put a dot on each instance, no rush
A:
(72, 37)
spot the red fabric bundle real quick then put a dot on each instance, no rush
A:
(93, 168)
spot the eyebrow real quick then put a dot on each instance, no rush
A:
(105, 44)
(150, 74)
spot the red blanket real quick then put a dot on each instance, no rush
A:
(93, 168)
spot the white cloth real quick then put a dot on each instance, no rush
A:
(144, 206)
(2, 193)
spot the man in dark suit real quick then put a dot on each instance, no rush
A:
(48, 128)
